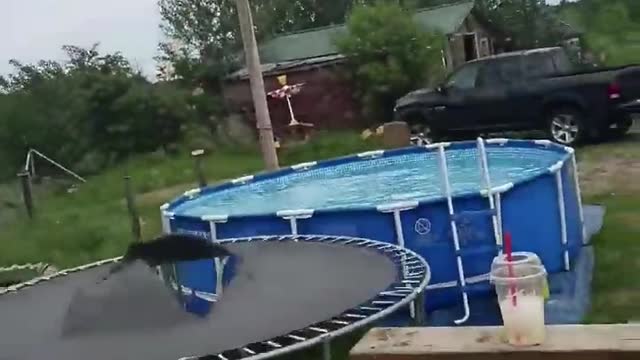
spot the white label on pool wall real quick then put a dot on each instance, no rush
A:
(423, 226)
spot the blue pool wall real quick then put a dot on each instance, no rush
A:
(530, 212)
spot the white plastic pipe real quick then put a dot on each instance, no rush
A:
(563, 219)
(576, 177)
(484, 168)
(219, 264)
(293, 216)
(444, 170)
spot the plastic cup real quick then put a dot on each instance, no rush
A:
(517, 258)
(521, 258)
(521, 298)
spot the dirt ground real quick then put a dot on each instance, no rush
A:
(611, 168)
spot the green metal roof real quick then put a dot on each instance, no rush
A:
(319, 42)
(445, 18)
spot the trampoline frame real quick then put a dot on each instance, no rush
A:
(413, 272)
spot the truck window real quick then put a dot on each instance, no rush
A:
(464, 78)
(500, 72)
(563, 62)
(538, 65)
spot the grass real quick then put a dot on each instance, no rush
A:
(92, 223)
(610, 174)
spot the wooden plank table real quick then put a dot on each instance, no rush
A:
(575, 342)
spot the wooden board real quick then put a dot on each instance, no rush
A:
(579, 342)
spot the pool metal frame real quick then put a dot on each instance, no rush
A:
(414, 275)
(493, 194)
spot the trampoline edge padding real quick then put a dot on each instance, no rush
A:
(410, 280)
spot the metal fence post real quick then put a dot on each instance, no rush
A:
(197, 156)
(133, 211)
(27, 195)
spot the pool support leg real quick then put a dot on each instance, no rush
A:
(326, 350)
(420, 318)
(396, 210)
(219, 264)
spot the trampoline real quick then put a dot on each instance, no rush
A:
(286, 293)
(449, 202)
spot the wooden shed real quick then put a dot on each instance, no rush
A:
(327, 99)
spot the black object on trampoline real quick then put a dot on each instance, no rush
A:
(279, 287)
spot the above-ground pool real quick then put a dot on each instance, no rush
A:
(450, 202)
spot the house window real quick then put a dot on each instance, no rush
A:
(485, 50)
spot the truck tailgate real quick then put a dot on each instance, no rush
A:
(629, 81)
(632, 107)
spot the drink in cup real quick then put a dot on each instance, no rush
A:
(521, 296)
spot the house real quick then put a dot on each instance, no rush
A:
(326, 99)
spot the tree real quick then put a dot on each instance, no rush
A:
(388, 55)
(529, 22)
(92, 104)
(611, 32)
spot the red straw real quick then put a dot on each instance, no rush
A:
(508, 248)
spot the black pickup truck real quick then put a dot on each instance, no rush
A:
(535, 89)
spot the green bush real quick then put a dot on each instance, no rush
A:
(87, 112)
(389, 55)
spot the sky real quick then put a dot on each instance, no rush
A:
(31, 30)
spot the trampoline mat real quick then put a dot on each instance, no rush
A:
(279, 287)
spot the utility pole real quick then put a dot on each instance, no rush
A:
(265, 130)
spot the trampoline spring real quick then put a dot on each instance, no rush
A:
(273, 344)
(414, 275)
(340, 322)
(297, 338)
(350, 241)
(248, 351)
(413, 262)
(411, 281)
(370, 308)
(383, 302)
(415, 267)
(222, 357)
(317, 329)
(363, 242)
(355, 316)
(404, 289)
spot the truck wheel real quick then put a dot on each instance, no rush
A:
(622, 128)
(423, 135)
(565, 126)
(421, 132)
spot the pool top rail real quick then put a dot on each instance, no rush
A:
(564, 342)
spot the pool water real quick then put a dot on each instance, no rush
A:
(413, 176)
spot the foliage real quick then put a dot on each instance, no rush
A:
(90, 104)
(204, 36)
(529, 23)
(612, 29)
(389, 55)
